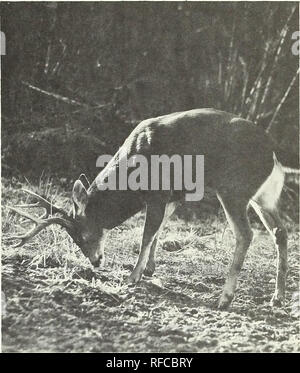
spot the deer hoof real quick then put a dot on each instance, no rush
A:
(225, 301)
(277, 301)
(134, 278)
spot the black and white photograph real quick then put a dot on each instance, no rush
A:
(150, 178)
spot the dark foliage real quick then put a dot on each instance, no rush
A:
(96, 69)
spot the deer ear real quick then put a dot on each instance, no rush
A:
(79, 195)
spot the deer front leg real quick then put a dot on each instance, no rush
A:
(169, 209)
(154, 216)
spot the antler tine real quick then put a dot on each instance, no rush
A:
(42, 202)
(26, 237)
(40, 225)
(28, 205)
(26, 215)
(33, 205)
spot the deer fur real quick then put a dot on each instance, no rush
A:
(241, 166)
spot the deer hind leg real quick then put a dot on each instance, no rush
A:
(154, 216)
(236, 213)
(271, 220)
(150, 268)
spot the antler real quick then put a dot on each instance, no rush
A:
(43, 221)
(50, 209)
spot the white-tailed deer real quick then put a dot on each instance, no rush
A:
(240, 165)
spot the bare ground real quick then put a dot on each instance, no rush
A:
(55, 301)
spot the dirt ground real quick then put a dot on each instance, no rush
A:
(53, 301)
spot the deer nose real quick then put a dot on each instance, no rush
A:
(98, 262)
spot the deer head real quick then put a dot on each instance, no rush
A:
(82, 225)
